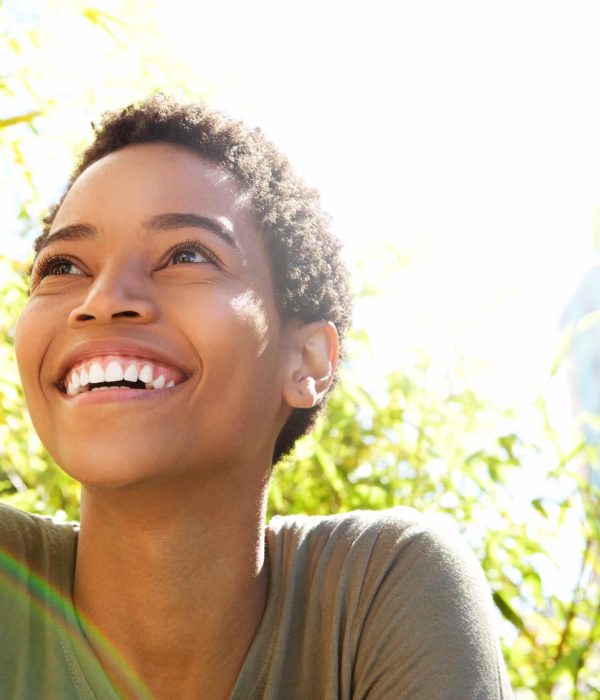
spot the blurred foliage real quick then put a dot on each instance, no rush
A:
(63, 62)
(438, 447)
(422, 438)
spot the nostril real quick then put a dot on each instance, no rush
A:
(127, 314)
(102, 308)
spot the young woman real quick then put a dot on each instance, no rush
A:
(187, 305)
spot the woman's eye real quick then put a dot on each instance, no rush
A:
(188, 255)
(191, 252)
(58, 266)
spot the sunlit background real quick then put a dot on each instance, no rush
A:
(456, 146)
(464, 134)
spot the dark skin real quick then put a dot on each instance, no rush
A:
(171, 561)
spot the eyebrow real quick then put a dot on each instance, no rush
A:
(174, 220)
(159, 222)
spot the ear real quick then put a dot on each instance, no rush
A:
(313, 355)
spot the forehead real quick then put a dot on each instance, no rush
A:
(142, 180)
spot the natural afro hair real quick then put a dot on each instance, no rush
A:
(309, 276)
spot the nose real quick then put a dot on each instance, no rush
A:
(115, 295)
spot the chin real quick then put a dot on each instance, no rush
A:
(115, 466)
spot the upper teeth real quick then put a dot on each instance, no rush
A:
(114, 372)
(131, 373)
(81, 379)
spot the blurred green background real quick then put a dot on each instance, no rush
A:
(459, 169)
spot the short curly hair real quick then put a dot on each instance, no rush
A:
(309, 276)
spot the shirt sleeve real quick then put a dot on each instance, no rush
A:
(428, 625)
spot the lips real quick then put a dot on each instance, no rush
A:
(101, 365)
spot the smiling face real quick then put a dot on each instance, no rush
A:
(151, 343)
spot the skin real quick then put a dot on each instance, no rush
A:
(170, 564)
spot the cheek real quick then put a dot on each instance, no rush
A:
(237, 341)
(217, 322)
(36, 330)
(29, 350)
(28, 342)
(250, 314)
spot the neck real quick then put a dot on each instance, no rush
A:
(176, 580)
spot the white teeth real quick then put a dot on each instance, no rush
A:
(74, 381)
(81, 379)
(131, 373)
(96, 373)
(159, 383)
(146, 374)
(114, 372)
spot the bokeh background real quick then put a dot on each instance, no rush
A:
(457, 149)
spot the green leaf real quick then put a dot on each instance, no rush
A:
(537, 504)
(19, 119)
(508, 611)
(330, 470)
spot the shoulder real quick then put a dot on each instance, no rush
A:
(15, 520)
(418, 609)
(346, 524)
(389, 537)
(34, 539)
(403, 561)
(18, 527)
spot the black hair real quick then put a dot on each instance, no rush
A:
(309, 277)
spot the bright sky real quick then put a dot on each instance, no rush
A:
(467, 134)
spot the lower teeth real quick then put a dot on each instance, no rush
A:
(103, 388)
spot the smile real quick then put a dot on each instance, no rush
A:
(114, 372)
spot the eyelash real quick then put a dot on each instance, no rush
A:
(191, 244)
(43, 266)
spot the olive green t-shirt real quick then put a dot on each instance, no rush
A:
(363, 605)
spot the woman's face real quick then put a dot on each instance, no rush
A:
(153, 268)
